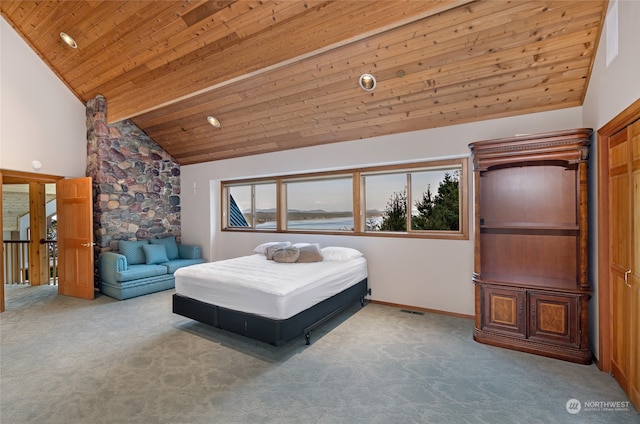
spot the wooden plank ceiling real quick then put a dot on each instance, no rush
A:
(284, 74)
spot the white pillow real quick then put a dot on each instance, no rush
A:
(299, 245)
(335, 253)
(262, 249)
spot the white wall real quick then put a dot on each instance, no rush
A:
(433, 274)
(611, 90)
(40, 118)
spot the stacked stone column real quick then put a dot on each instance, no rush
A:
(136, 184)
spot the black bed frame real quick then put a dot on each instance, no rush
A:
(276, 332)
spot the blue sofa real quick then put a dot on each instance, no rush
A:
(143, 266)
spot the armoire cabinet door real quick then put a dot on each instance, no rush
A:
(553, 318)
(504, 311)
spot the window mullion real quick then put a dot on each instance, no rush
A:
(253, 206)
(408, 206)
(281, 209)
(359, 214)
(224, 202)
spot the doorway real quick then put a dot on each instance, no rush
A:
(30, 189)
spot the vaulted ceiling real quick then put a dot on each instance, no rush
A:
(281, 75)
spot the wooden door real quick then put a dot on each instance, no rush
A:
(75, 238)
(624, 254)
(634, 276)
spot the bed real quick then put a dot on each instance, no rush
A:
(269, 300)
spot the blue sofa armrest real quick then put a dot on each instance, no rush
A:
(109, 263)
(186, 251)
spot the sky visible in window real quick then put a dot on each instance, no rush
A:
(335, 195)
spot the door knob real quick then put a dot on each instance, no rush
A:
(88, 244)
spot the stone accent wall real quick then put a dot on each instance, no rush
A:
(136, 184)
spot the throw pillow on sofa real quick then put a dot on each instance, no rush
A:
(170, 245)
(132, 250)
(155, 253)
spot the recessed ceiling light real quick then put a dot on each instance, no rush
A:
(367, 82)
(68, 40)
(213, 121)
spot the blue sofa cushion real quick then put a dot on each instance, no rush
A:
(172, 266)
(170, 245)
(187, 251)
(136, 272)
(155, 253)
(132, 250)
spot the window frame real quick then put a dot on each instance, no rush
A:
(225, 214)
(358, 176)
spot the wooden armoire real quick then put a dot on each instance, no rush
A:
(530, 268)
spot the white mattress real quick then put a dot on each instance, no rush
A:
(267, 288)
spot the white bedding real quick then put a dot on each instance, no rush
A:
(266, 288)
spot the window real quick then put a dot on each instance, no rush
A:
(425, 199)
(265, 206)
(241, 206)
(323, 204)
(250, 206)
(385, 193)
(432, 193)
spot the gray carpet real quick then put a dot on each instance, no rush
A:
(65, 360)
